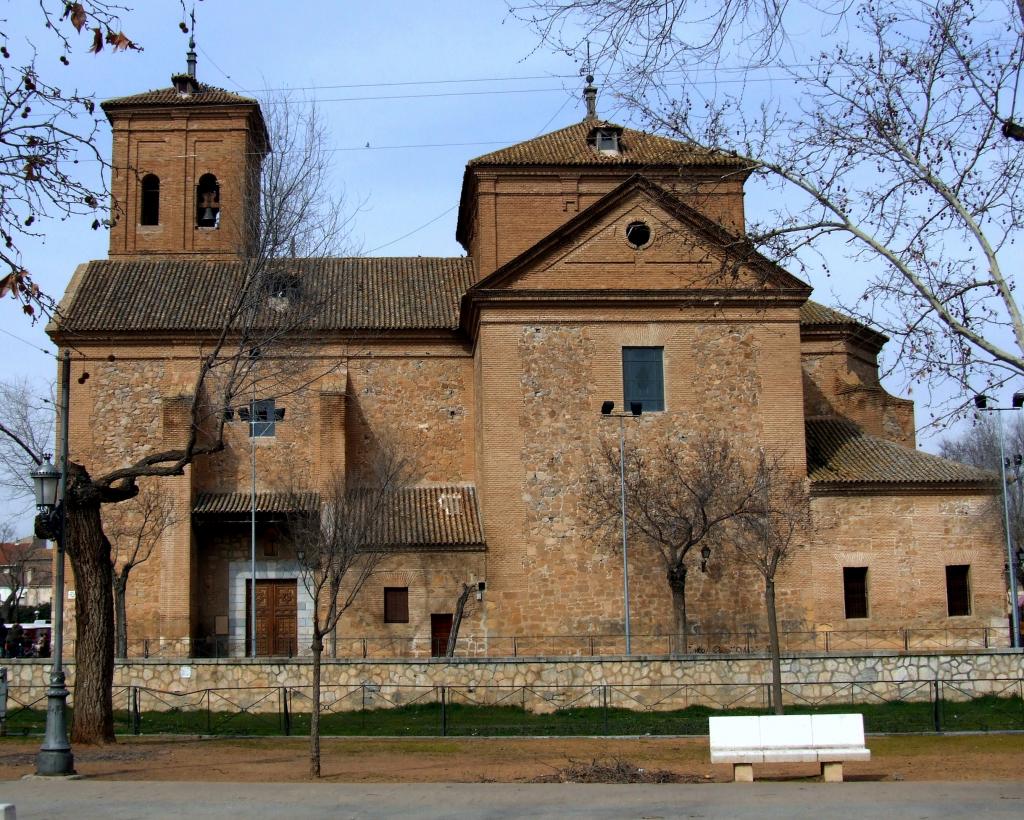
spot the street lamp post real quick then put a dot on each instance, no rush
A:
(635, 411)
(981, 403)
(253, 415)
(55, 757)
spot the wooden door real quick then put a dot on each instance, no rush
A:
(440, 629)
(276, 621)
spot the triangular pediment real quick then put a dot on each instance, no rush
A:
(683, 250)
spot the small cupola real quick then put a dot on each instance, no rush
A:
(186, 84)
(603, 137)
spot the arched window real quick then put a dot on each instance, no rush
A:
(150, 211)
(208, 202)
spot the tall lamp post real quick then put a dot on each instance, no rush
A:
(253, 415)
(1017, 402)
(55, 757)
(636, 409)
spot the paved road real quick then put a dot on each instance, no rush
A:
(764, 801)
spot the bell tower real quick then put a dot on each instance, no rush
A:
(186, 168)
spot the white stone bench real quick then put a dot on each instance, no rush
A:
(826, 739)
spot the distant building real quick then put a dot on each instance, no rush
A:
(26, 575)
(602, 263)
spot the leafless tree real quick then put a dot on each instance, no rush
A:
(49, 130)
(338, 547)
(26, 416)
(898, 150)
(764, 535)
(978, 446)
(134, 529)
(679, 497)
(652, 37)
(17, 557)
(460, 612)
(266, 320)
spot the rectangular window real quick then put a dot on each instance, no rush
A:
(855, 591)
(958, 590)
(262, 415)
(396, 605)
(643, 378)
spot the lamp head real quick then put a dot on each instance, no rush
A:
(981, 402)
(607, 407)
(1018, 401)
(636, 408)
(45, 480)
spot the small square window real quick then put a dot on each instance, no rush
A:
(396, 605)
(958, 590)
(855, 591)
(643, 378)
(262, 418)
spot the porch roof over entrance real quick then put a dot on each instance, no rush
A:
(233, 506)
(442, 518)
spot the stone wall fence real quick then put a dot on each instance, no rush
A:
(545, 684)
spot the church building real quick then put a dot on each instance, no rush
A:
(601, 264)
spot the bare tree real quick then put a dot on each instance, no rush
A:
(48, 131)
(134, 529)
(897, 150)
(16, 559)
(266, 319)
(338, 548)
(679, 496)
(460, 612)
(763, 536)
(26, 416)
(979, 446)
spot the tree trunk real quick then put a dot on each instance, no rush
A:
(773, 644)
(89, 551)
(314, 716)
(460, 609)
(677, 583)
(120, 613)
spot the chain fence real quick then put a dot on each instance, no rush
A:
(923, 705)
(827, 641)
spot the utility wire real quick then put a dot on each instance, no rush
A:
(414, 230)
(27, 342)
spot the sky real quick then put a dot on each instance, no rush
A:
(411, 91)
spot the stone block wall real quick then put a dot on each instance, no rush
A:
(544, 684)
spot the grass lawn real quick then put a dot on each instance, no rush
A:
(429, 719)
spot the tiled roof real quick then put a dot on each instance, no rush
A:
(815, 313)
(430, 518)
(205, 95)
(232, 504)
(370, 293)
(417, 519)
(839, 452)
(568, 146)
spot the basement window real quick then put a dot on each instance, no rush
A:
(855, 592)
(958, 590)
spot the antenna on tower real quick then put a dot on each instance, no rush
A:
(590, 92)
(191, 56)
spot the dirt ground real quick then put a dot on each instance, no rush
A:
(476, 760)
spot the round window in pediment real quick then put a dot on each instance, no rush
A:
(638, 234)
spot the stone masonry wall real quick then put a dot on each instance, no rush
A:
(542, 685)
